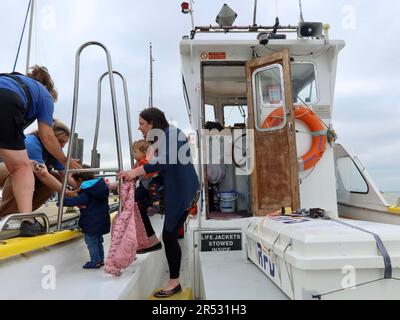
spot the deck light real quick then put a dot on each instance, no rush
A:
(263, 38)
(185, 7)
(226, 17)
(310, 30)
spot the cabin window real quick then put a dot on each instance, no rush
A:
(304, 85)
(235, 116)
(209, 113)
(350, 176)
(269, 98)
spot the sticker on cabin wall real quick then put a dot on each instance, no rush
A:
(213, 55)
(221, 241)
(217, 55)
(204, 55)
(323, 112)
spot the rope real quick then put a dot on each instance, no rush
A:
(290, 274)
(308, 107)
(22, 35)
(259, 226)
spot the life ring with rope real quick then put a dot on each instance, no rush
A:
(317, 130)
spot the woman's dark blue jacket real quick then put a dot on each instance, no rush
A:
(95, 217)
(180, 179)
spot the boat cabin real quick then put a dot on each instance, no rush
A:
(240, 96)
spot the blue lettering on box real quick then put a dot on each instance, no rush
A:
(265, 262)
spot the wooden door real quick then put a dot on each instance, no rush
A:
(275, 182)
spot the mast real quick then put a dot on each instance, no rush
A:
(30, 37)
(255, 13)
(301, 12)
(151, 78)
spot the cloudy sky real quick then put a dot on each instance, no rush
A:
(366, 112)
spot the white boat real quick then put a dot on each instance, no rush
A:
(332, 257)
(273, 96)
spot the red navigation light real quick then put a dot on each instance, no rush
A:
(185, 7)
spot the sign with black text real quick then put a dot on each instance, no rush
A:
(221, 241)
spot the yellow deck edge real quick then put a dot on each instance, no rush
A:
(394, 210)
(15, 246)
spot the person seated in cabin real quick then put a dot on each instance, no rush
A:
(212, 125)
(92, 198)
(148, 194)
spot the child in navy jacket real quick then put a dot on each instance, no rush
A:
(95, 218)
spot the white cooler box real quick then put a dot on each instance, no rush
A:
(322, 259)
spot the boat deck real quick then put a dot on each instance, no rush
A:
(56, 273)
(227, 275)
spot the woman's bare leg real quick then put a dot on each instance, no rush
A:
(23, 181)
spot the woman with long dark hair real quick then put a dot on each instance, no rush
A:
(181, 184)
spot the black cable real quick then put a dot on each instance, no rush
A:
(305, 104)
(298, 55)
(22, 35)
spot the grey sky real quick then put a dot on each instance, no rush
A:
(366, 111)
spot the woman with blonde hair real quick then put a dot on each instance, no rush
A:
(49, 173)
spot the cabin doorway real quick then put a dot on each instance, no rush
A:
(249, 170)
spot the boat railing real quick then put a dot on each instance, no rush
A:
(68, 170)
(242, 29)
(22, 216)
(95, 154)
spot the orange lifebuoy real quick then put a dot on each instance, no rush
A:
(317, 130)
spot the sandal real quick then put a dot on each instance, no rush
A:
(168, 293)
(157, 246)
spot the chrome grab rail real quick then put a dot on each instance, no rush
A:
(18, 216)
(128, 116)
(73, 124)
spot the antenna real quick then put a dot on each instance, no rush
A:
(151, 78)
(255, 13)
(301, 12)
(191, 13)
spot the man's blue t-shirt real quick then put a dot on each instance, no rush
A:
(35, 151)
(42, 107)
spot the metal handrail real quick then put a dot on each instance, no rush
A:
(73, 122)
(128, 115)
(240, 29)
(93, 170)
(18, 216)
